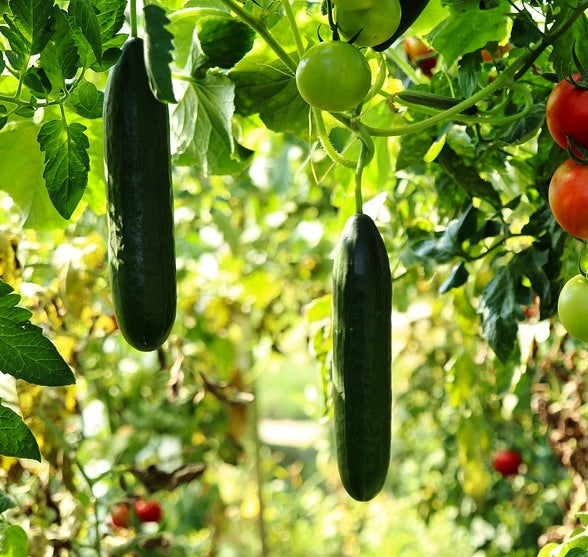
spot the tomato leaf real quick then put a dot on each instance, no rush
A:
(6, 502)
(457, 277)
(14, 541)
(66, 163)
(24, 352)
(86, 20)
(526, 127)
(86, 100)
(29, 24)
(158, 53)
(264, 86)
(16, 439)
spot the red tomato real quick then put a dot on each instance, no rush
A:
(568, 198)
(507, 463)
(420, 54)
(148, 511)
(121, 516)
(488, 56)
(567, 113)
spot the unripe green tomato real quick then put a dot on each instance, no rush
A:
(376, 24)
(353, 4)
(333, 76)
(572, 307)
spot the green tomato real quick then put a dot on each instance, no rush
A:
(353, 4)
(333, 76)
(572, 307)
(376, 24)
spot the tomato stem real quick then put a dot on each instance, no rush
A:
(263, 31)
(293, 27)
(323, 136)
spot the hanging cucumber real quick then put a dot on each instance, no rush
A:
(140, 203)
(362, 306)
(410, 11)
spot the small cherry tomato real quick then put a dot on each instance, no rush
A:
(568, 198)
(572, 307)
(566, 112)
(420, 55)
(507, 463)
(148, 511)
(498, 52)
(333, 76)
(121, 516)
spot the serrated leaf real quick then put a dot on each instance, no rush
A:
(201, 124)
(16, 439)
(86, 19)
(60, 57)
(14, 541)
(37, 81)
(86, 100)
(31, 19)
(66, 163)
(24, 352)
(264, 86)
(158, 50)
(501, 309)
(111, 18)
(6, 502)
(453, 36)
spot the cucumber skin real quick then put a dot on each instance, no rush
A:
(139, 203)
(362, 375)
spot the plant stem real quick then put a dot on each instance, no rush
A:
(323, 136)
(358, 175)
(403, 64)
(293, 27)
(262, 30)
(134, 32)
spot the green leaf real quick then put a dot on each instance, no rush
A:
(37, 81)
(201, 124)
(16, 439)
(576, 552)
(466, 176)
(3, 116)
(526, 127)
(6, 502)
(21, 176)
(31, 20)
(501, 309)
(60, 57)
(24, 352)
(158, 47)
(13, 542)
(469, 73)
(264, 86)
(66, 163)
(84, 15)
(111, 18)
(86, 100)
(458, 276)
(453, 37)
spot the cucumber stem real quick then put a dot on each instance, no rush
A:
(134, 31)
(361, 161)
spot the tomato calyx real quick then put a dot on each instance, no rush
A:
(578, 79)
(577, 152)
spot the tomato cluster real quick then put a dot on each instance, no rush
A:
(334, 75)
(566, 114)
(144, 510)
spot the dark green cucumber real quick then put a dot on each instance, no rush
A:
(411, 10)
(362, 390)
(140, 203)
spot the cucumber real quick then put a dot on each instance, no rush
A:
(137, 163)
(361, 371)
